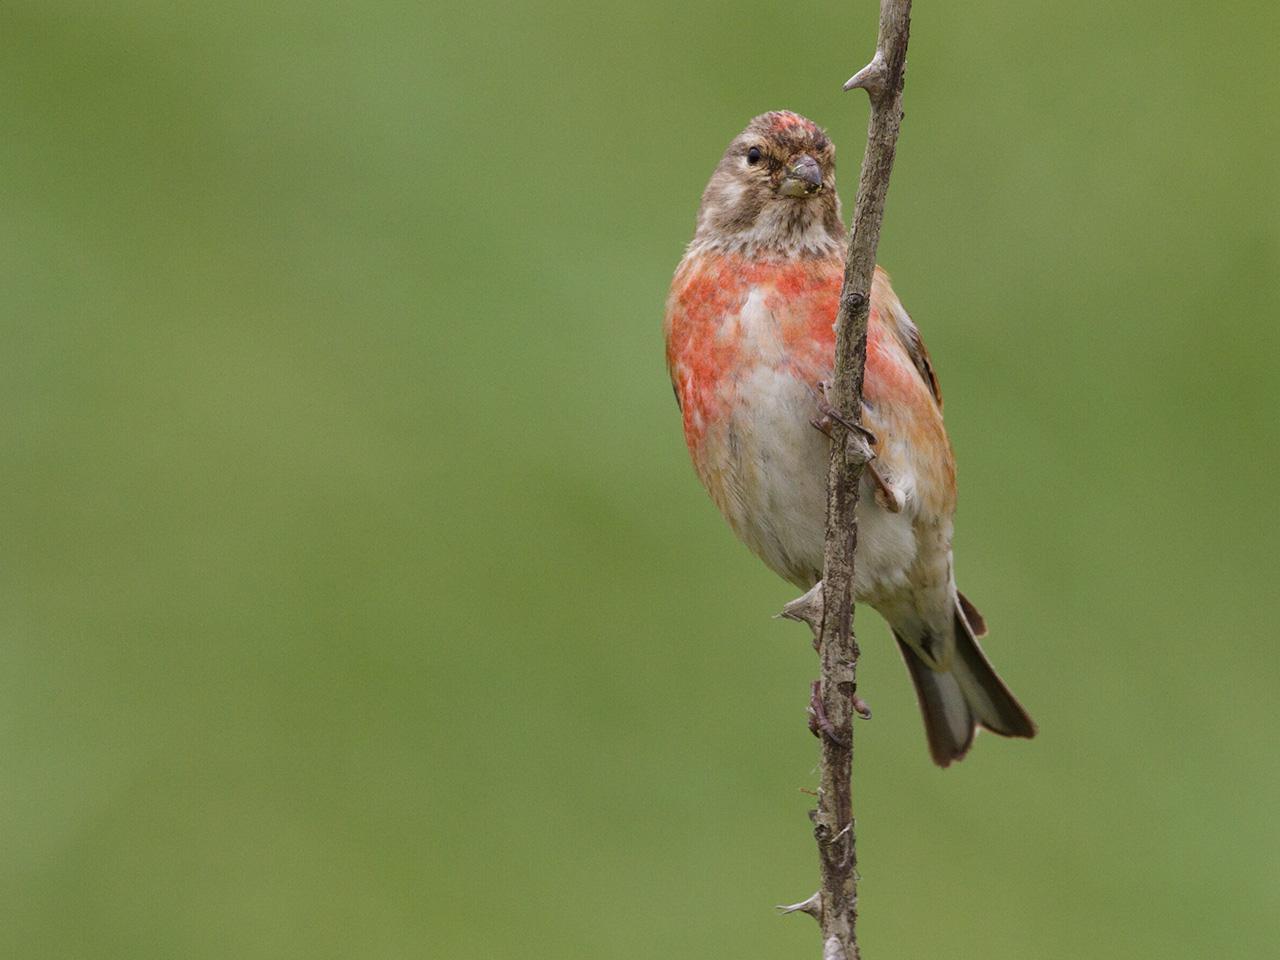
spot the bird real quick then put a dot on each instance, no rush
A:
(750, 348)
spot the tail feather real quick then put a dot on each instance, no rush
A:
(976, 621)
(955, 702)
(995, 707)
(949, 725)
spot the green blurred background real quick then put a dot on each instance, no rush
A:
(358, 597)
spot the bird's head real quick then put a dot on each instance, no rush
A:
(774, 191)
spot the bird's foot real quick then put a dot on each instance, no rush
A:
(860, 707)
(819, 725)
(828, 415)
(888, 498)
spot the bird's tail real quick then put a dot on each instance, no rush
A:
(969, 694)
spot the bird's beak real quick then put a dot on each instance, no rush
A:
(803, 179)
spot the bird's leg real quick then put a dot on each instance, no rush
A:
(886, 496)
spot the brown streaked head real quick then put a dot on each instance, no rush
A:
(774, 190)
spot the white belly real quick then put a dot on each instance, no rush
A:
(776, 486)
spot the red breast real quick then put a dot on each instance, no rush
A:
(704, 344)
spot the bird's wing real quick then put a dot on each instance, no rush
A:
(896, 318)
(912, 340)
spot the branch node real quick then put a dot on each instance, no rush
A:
(854, 301)
(873, 78)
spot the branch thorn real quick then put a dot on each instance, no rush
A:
(805, 609)
(811, 906)
(870, 78)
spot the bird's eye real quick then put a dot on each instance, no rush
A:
(753, 155)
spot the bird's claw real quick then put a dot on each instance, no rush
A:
(860, 707)
(828, 414)
(820, 725)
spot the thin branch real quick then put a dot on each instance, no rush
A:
(830, 611)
